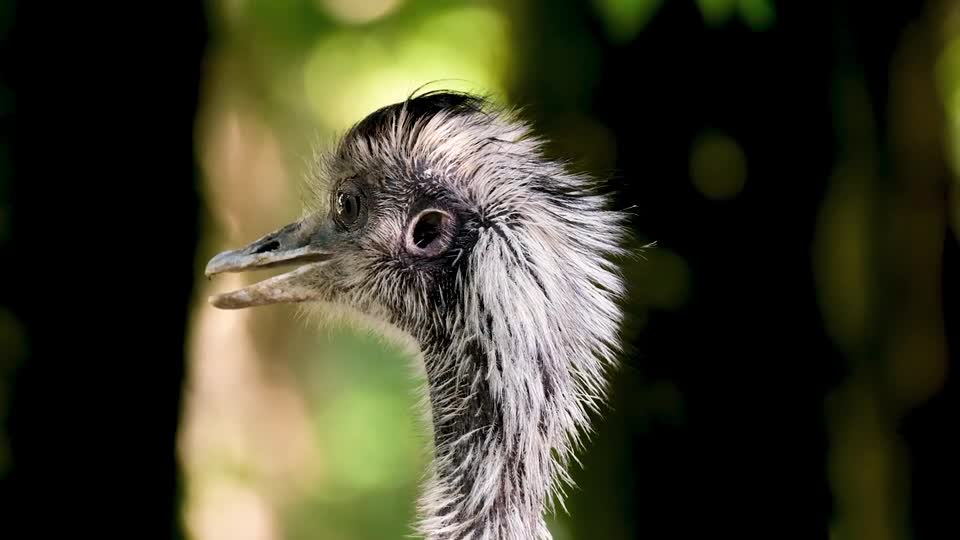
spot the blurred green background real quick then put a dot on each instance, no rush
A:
(788, 337)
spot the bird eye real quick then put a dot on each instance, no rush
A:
(430, 233)
(347, 208)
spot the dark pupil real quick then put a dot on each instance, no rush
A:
(347, 207)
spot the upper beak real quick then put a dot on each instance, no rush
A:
(291, 244)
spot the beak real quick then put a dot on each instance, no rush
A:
(289, 245)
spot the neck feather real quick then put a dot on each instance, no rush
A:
(517, 360)
(496, 434)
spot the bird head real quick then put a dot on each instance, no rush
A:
(438, 201)
(442, 217)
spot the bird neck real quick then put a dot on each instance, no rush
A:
(492, 470)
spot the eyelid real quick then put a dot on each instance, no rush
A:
(353, 188)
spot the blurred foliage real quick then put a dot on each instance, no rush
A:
(756, 14)
(625, 18)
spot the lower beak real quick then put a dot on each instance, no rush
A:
(289, 245)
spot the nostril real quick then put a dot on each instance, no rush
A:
(269, 246)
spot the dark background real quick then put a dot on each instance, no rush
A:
(101, 219)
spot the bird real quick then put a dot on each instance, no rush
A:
(442, 216)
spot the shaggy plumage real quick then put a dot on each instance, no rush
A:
(441, 216)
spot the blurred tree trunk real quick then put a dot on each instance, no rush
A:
(100, 264)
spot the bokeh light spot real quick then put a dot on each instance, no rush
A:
(716, 12)
(758, 14)
(665, 279)
(359, 11)
(625, 18)
(840, 255)
(718, 166)
(584, 140)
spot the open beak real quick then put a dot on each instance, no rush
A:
(289, 245)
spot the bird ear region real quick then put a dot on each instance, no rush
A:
(430, 232)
